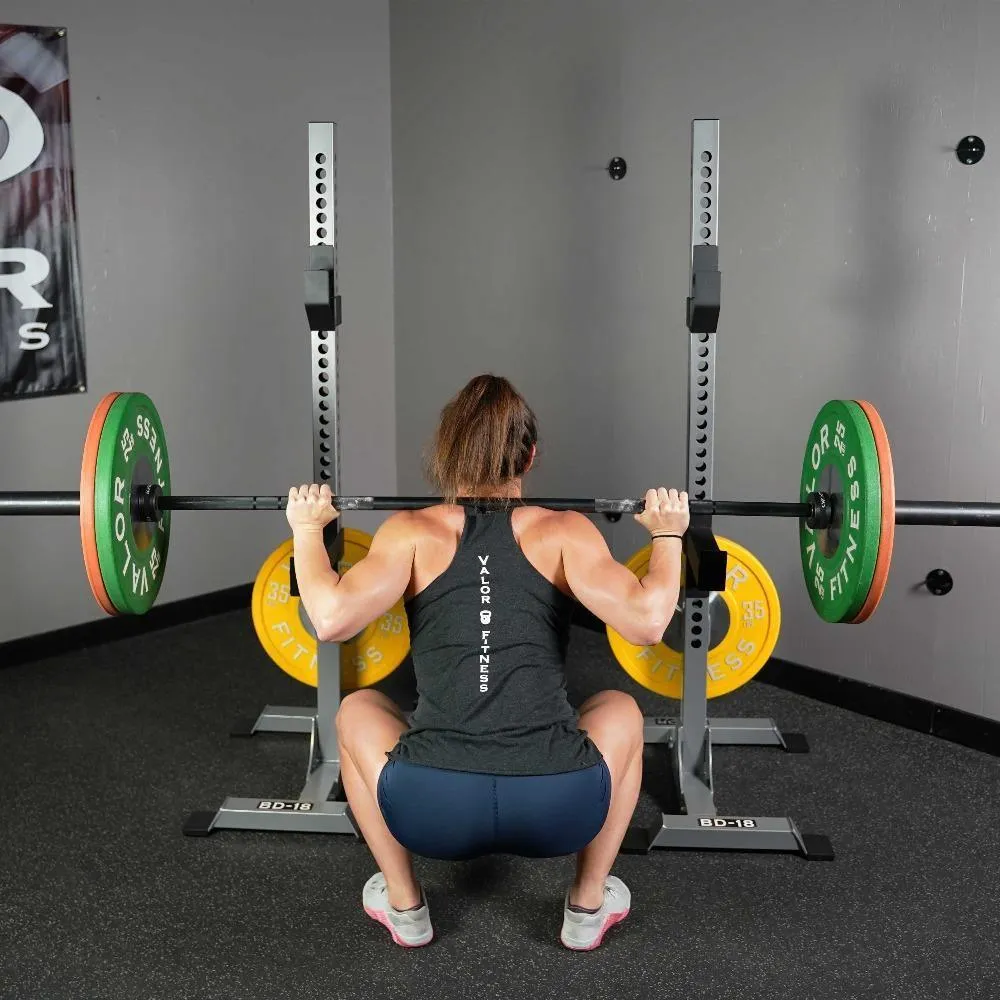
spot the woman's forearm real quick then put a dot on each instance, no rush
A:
(317, 579)
(661, 584)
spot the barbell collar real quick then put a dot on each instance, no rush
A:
(822, 508)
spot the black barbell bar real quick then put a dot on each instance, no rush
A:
(584, 505)
(818, 510)
(147, 501)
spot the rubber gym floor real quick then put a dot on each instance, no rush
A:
(104, 752)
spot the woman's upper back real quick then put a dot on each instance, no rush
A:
(437, 533)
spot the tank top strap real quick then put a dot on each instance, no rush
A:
(486, 524)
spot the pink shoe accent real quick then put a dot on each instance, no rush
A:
(610, 921)
(382, 918)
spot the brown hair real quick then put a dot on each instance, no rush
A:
(483, 440)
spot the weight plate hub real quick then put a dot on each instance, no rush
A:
(132, 452)
(839, 562)
(745, 621)
(368, 658)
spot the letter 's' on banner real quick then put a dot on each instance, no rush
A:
(41, 297)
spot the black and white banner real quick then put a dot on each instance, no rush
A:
(41, 299)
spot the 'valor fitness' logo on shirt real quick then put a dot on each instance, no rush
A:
(485, 617)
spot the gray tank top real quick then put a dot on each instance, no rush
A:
(488, 639)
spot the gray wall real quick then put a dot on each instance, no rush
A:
(502, 209)
(857, 256)
(189, 124)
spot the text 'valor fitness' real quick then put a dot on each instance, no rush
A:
(485, 617)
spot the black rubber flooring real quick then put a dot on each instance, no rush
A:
(104, 752)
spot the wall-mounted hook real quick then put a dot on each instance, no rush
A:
(939, 582)
(970, 150)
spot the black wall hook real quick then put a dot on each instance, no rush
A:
(970, 150)
(617, 168)
(939, 582)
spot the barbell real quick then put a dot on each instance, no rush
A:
(149, 501)
(846, 509)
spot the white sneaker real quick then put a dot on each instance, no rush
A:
(585, 931)
(409, 928)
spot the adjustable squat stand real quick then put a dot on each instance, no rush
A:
(690, 738)
(312, 811)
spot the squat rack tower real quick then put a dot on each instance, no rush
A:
(320, 806)
(690, 738)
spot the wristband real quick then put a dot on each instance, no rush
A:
(665, 534)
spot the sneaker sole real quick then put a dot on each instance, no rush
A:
(614, 918)
(380, 917)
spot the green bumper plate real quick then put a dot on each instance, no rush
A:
(839, 562)
(132, 452)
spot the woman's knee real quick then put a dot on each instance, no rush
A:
(621, 708)
(353, 703)
(361, 708)
(614, 722)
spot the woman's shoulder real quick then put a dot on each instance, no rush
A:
(440, 520)
(550, 523)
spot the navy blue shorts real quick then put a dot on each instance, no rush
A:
(456, 815)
